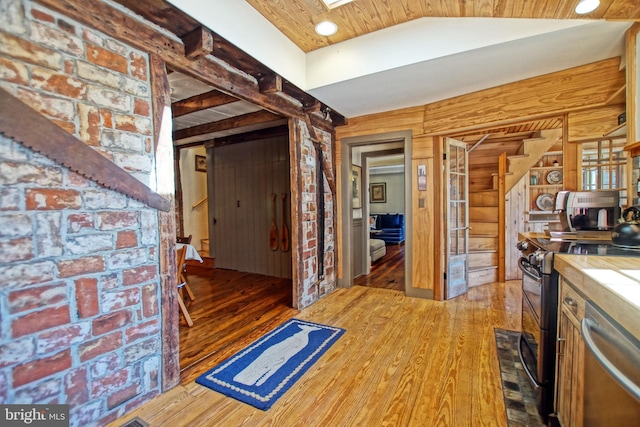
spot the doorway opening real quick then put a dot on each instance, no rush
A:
(376, 215)
(233, 191)
(495, 218)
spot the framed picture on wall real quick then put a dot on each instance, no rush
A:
(201, 163)
(378, 192)
(356, 185)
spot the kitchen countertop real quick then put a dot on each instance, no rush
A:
(595, 236)
(611, 282)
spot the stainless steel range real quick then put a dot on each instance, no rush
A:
(540, 306)
(537, 345)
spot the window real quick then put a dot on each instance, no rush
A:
(604, 166)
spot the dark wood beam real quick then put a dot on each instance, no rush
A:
(316, 121)
(166, 16)
(270, 83)
(200, 102)
(313, 106)
(317, 142)
(32, 129)
(140, 35)
(239, 138)
(252, 136)
(163, 14)
(249, 119)
(166, 225)
(198, 43)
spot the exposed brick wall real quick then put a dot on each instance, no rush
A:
(79, 275)
(91, 85)
(312, 287)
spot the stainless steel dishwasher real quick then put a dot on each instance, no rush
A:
(611, 371)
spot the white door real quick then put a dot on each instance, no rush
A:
(457, 218)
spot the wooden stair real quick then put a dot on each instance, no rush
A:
(483, 237)
(532, 151)
(484, 205)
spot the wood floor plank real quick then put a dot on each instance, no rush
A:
(404, 397)
(401, 362)
(230, 308)
(487, 382)
(387, 272)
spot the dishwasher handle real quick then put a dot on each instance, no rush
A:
(587, 325)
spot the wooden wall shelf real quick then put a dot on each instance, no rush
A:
(618, 131)
(633, 149)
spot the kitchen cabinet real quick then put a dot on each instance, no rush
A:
(570, 357)
(543, 182)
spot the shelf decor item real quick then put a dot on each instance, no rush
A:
(545, 202)
(622, 118)
(534, 180)
(554, 177)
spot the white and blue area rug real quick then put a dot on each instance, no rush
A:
(264, 371)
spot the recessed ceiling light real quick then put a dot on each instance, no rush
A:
(335, 3)
(586, 6)
(326, 28)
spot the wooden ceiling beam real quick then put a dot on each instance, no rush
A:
(140, 35)
(238, 138)
(313, 106)
(272, 132)
(270, 83)
(161, 13)
(249, 119)
(201, 102)
(198, 43)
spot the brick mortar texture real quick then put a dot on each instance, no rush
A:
(79, 276)
(92, 86)
(312, 287)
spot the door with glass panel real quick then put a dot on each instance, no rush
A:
(457, 218)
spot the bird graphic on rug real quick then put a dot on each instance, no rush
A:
(274, 357)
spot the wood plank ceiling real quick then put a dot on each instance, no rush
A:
(202, 113)
(297, 18)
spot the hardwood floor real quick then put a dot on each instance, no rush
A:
(387, 272)
(230, 309)
(402, 362)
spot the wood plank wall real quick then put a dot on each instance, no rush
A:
(245, 177)
(582, 91)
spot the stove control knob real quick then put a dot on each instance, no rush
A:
(537, 257)
(522, 246)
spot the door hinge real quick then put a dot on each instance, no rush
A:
(444, 156)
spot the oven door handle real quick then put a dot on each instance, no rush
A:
(523, 263)
(587, 326)
(522, 342)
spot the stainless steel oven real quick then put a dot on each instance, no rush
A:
(537, 347)
(539, 322)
